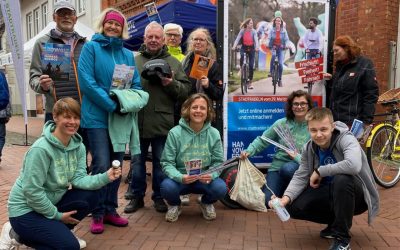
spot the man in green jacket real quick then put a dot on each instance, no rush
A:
(155, 119)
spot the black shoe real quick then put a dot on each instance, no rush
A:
(280, 83)
(339, 245)
(160, 206)
(134, 205)
(128, 194)
(326, 233)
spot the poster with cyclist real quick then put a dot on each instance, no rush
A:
(267, 40)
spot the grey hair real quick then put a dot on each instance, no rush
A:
(153, 24)
(173, 26)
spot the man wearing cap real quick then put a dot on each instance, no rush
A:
(65, 17)
(156, 118)
(173, 38)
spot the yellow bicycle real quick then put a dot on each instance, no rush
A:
(383, 144)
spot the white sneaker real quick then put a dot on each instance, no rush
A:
(173, 213)
(6, 241)
(185, 199)
(82, 242)
(208, 211)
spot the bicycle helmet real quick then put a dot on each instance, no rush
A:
(153, 70)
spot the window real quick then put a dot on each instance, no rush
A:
(80, 6)
(29, 26)
(36, 21)
(44, 14)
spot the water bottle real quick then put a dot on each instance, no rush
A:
(116, 164)
(280, 211)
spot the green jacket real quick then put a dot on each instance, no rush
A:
(300, 135)
(123, 129)
(49, 168)
(183, 145)
(157, 118)
(176, 52)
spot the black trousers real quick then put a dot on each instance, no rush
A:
(334, 204)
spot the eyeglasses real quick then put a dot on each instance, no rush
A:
(65, 12)
(172, 35)
(300, 104)
(198, 40)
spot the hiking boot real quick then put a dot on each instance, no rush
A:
(160, 206)
(339, 245)
(185, 199)
(128, 194)
(7, 239)
(82, 242)
(173, 213)
(326, 233)
(208, 211)
(97, 226)
(115, 220)
(134, 205)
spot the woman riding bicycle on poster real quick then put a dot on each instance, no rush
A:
(247, 37)
(277, 41)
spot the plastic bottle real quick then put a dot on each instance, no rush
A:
(280, 211)
(116, 163)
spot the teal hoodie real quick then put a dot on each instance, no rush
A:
(300, 135)
(49, 168)
(183, 144)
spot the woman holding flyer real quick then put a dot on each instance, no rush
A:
(193, 147)
(292, 133)
(201, 49)
(103, 65)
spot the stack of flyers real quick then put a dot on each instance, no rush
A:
(357, 128)
(193, 167)
(122, 76)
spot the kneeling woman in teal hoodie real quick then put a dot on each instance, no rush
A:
(192, 147)
(53, 191)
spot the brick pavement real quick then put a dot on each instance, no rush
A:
(233, 229)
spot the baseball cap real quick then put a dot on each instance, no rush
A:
(63, 5)
(153, 70)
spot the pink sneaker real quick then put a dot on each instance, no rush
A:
(115, 220)
(97, 226)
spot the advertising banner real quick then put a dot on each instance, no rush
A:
(273, 51)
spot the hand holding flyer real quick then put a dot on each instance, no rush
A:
(193, 167)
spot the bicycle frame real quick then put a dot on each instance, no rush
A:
(396, 126)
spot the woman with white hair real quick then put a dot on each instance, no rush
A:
(173, 37)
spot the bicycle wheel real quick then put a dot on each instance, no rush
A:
(275, 77)
(243, 79)
(385, 169)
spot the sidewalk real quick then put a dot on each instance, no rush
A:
(233, 229)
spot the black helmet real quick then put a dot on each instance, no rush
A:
(153, 70)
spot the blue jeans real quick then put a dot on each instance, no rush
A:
(138, 165)
(39, 232)
(314, 53)
(102, 156)
(250, 55)
(286, 172)
(280, 54)
(170, 190)
(2, 136)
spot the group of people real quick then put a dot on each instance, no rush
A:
(326, 181)
(277, 42)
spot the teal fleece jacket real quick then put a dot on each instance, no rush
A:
(300, 135)
(49, 168)
(123, 129)
(183, 144)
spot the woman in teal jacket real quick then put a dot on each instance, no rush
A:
(192, 147)
(97, 63)
(42, 207)
(284, 163)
